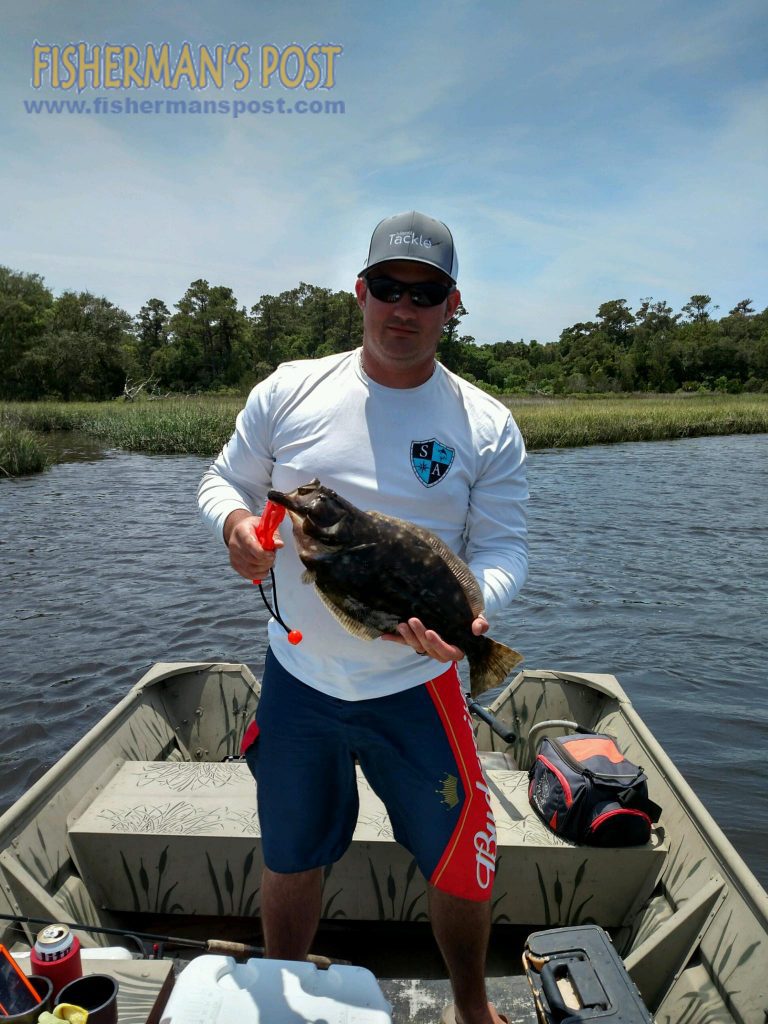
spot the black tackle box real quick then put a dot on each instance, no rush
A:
(577, 976)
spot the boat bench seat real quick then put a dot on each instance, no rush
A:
(184, 837)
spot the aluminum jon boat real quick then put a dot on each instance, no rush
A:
(146, 826)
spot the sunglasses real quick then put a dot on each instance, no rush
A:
(422, 293)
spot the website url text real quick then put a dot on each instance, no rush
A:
(231, 108)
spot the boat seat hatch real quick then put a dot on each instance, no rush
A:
(184, 837)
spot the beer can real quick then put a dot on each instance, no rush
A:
(56, 955)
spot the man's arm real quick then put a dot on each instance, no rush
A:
(237, 484)
(496, 531)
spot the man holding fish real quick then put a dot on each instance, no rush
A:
(440, 467)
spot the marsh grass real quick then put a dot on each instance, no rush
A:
(571, 422)
(21, 452)
(183, 426)
(201, 425)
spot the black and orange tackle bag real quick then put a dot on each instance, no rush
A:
(585, 790)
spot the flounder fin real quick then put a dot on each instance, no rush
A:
(351, 625)
(489, 665)
(308, 576)
(458, 567)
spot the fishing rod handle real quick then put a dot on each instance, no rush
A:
(241, 949)
(491, 720)
(232, 948)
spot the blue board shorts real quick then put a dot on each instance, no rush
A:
(417, 750)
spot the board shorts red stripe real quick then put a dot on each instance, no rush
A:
(417, 751)
(468, 864)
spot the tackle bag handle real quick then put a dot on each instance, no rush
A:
(563, 723)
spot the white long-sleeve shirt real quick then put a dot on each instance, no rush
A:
(383, 449)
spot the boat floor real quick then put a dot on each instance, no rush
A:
(422, 1002)
(393, 951)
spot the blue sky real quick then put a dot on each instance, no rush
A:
(580, 152)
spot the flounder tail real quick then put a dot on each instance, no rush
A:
(489, 665)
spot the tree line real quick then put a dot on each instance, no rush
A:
(81, 346)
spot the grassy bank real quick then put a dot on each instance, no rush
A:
(574, 422)
(21, 452)
(182, 426)
(200, 426)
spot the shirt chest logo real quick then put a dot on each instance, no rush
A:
(431, 460)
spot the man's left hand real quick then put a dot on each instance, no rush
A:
(414, 634)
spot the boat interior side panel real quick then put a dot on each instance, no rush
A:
(696, 944)
(209, 711)
(708, 911)
(39, 876)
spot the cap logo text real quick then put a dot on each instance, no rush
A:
(409, 238)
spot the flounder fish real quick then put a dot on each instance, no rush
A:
(372, 571)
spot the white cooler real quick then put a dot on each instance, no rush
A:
(217, 990)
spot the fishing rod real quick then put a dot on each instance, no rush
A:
(222, 946)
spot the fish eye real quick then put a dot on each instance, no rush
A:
(322, 511)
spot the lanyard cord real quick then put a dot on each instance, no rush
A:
(274, 612)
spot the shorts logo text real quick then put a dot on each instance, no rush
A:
(485, 844)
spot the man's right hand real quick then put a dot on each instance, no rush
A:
(246, 556)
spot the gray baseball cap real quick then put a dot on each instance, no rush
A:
(413, 236)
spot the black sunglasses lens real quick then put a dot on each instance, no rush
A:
(430, 293)
(385, 289)
(426, 293)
